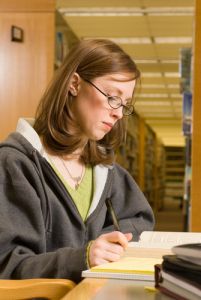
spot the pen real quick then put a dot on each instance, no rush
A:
(111, 210)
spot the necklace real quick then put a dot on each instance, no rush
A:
(76, 179)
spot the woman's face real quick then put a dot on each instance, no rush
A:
(93, 113)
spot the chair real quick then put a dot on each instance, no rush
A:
(53, 289)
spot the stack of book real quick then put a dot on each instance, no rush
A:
(179, 275)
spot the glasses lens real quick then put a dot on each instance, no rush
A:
(114, 102)
(128, 110)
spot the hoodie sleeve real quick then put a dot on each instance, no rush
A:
(23, 236)
(132, 209)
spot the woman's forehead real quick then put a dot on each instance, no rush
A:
(118, 77)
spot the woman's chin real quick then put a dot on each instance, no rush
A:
(97, 137)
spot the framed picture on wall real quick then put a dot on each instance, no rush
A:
(17, 34)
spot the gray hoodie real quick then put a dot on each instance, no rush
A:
(41, 231)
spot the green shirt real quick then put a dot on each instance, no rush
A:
(82, 196)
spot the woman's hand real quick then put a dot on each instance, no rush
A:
(108, 247)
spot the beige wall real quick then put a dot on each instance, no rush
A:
(26, 68)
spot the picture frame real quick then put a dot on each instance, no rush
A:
(17, 34)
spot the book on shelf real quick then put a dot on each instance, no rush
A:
(134, 268)
(187, 113)
(176, 286)
(189, 252)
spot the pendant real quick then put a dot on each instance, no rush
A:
(76, 186)
(77, 179)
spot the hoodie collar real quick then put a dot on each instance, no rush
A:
(25, 128)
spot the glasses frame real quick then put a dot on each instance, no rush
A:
(127, 109)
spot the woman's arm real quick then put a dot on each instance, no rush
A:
(132, 209)
(24, 237)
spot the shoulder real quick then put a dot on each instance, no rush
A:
(15, 154)
(120, 171)
(15, 146)
(123, 180)
(114, 170)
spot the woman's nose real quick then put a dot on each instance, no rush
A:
(117, 112)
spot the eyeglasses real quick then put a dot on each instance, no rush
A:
(115, 101)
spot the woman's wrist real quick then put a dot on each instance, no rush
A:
(87, 254)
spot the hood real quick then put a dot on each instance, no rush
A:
(18, 142)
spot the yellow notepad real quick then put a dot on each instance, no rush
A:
(126, 268)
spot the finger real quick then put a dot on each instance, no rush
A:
(101, 245)
(117, 237)
(129, 236)
(114, 248)
(110, 256)
(100, 257)
(98, 261)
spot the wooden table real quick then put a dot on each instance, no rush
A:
(118, 289)
(113, 289)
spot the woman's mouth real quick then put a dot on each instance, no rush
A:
(108, 125)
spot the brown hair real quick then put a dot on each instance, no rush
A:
(55, 122)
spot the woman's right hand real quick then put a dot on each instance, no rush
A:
(108, 247)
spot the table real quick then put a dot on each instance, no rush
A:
(114, 289)
(119, 289)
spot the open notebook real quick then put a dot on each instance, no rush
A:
(140, 257)
(135, 268)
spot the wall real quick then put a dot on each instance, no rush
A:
(27, 67)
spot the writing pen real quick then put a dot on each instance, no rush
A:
(113, 215)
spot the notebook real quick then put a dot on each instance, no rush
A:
(134, 268)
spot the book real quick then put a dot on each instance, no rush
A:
(177, 292)
(187, 113)
(140, 257)
(159, 243)
(176, 286)
(135, 268)
(182, 268)
(189, 252)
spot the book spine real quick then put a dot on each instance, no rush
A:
(159, 279)
(157, 275)
(167, 292)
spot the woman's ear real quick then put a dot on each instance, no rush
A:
(74, 84)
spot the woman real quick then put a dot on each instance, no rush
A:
(57, 172)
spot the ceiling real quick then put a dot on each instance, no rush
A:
(152, 32)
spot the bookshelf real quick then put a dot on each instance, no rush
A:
(174, 173)
(149, 165)
(134, 145)
(64, 39)
(143, 155)
(186, 83)
(128, 154)
(160, 175)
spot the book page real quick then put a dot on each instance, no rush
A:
(146, 252)
(165, 239)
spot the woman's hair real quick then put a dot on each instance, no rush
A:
(55, 122)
